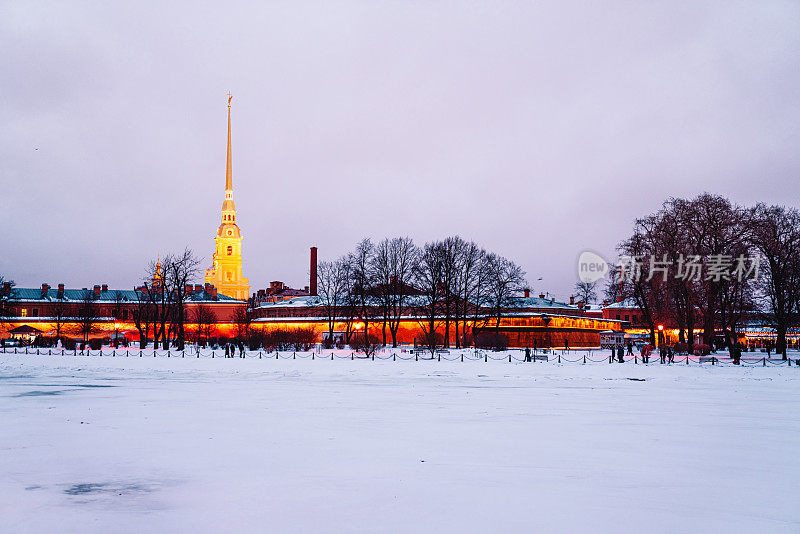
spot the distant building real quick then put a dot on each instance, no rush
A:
(115, 309)
(226, 271)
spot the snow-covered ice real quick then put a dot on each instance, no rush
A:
(94, 444)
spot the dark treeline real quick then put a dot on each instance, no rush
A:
(690, 254)
(445, 285)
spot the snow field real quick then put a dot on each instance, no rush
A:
(102, 444)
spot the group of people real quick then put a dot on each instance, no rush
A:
(230, 349)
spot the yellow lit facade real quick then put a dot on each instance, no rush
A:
(226, 272)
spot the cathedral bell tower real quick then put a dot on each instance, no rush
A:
(226, 272)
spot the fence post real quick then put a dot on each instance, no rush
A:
(331, 356)
(584, 358)
(294, 355)
(394, 357)
(312, 355)
(438, 357)
(140, 353)
(559, 358)
(167, 353)
(635, 359)
(416, 357)
(509, 357)
(462, 356)
(183, 353)
(764, 362)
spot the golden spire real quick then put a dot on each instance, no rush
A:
(228, 170)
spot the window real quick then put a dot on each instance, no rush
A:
(230, 250)
(23, 312)
(627, 317)
(35, 312)
(228, 275)
(617, 317)
(124, 314)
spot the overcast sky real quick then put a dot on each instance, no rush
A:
(537, 129)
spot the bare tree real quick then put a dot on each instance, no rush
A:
(469, 287)
(613, 289)
(203, 316)
(332, 290)
(143, 315)
(428, 279)
(59, 311)
(777, 238)
(586, 291)
(6, 309)
(452, 249)
(504, 281)
(243, 318)
(362, 274)
(88, 314)
(116, 311)
(179, 270)
(394, 263)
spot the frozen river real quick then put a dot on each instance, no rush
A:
(95, 444)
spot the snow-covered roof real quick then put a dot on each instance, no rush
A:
(127, 295)
(625, 304)
(294, 302)
(537, 302)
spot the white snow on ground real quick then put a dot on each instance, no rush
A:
(101, 444)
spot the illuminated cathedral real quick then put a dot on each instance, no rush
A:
(226, 272)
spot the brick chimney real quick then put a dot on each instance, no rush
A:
(60, 293)
(45, 290)
(214, 293)
(96, 291)
(189, 289)
(619, 298)
(541, 295)
(198, 288)
(6, 288)
(572, 299)
(105, 287)
(312, 282)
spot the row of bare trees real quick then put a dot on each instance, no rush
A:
(445, 285)
(683, 248)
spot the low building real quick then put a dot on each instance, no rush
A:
(114, 310)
